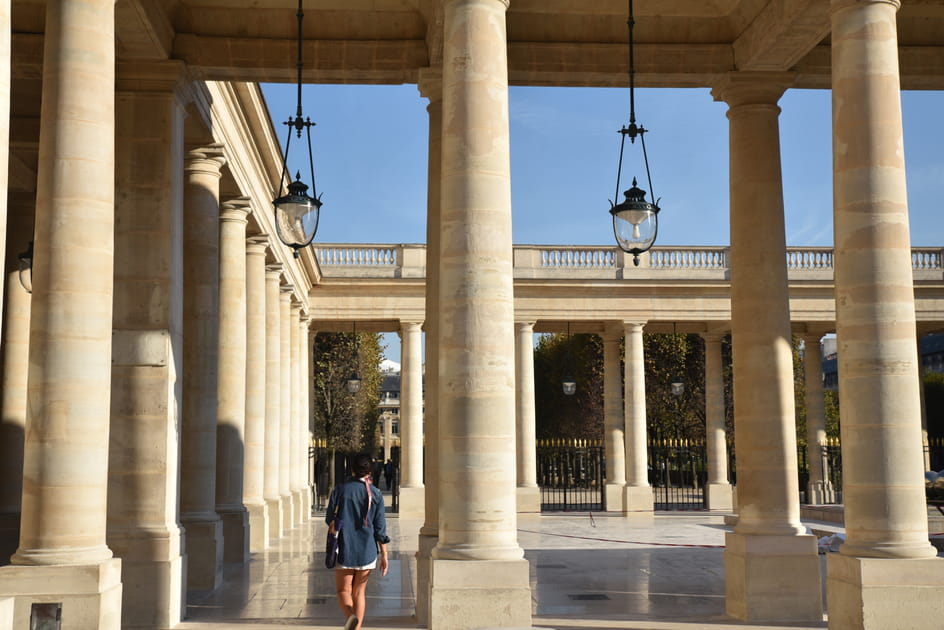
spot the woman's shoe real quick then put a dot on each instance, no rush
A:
(351, 623)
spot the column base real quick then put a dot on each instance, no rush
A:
(9, 535)
(528, 500)
(424, 561)
(615, 494)
(720, 497)
(306, 504)
(772, 578)
(90, 594)
(881, 593)
(413, 502)
(204, 554)
(276, 518)
(152, 577)
(821, 493)
(258, 527)
(638, 500)
(288, 513)
(235, 534)
(296, 507)
(479, 594)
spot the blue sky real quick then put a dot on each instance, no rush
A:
(370, 161)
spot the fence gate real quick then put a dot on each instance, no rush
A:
(571, 475)
(677, 473)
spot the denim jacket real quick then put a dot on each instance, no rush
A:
(357, 543)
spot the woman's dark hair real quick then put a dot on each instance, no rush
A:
(362, 464)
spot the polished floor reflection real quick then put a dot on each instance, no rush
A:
(587, 571)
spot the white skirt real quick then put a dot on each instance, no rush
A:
(372, 565)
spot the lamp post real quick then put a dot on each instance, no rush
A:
(353, 383)
(296, 213)
(568, 384)
(635, 220)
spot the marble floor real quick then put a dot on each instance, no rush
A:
(587, 571)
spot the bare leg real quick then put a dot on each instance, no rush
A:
(343, 584)
(359, 593)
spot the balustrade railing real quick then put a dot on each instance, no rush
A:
(606, 258)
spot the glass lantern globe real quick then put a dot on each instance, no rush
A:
(353, 383)
(296, 216)
(635, 222)
(569, 386)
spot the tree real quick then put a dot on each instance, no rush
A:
(347, 421)
(669, 357)
(570, 417)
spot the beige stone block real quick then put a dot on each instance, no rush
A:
(615, 493)
(412, 502)
(276, 518)
(258, 527)
(425, 547)
(720, 497)
(204, 555)
(235, 536)
(6, 613)
(772, 578)
(477, 594)
(90, 594)
(638, 499)
(153, 595)
(884, 593)
(529, 500)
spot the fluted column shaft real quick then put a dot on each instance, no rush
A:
(768, 492)
(526, 416)
(295, 392)
(231, 381)
(5, 67)
(13, 416)
(635, 408)
(613, 423)
(411, 406)
(65, 474)
(285, 402)
(305, 392)
(714, 411)
(815, 415)
(883, 488)
(477, 397)
(273, 398)
(200, 359)
(254, 461)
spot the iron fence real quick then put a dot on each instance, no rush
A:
(571, 475)
(678, 471)
(830, 455)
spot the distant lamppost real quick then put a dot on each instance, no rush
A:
(635, 220)
(353, 383)
(568, 384)
(296, 213)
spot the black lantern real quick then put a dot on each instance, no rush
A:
(677, 385)
(296, 213)
(568, 384)
(635, 220)
(26, 268)
(353, 383)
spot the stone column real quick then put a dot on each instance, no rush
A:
(254, 468)
(15, 365)
(147, 350)
(412, 492)
(204, 530)
(231, 382)
(63, 555)
(768, 547)
(529, 495)
(819, 490)
(883, 576)
(638, 499)
(5, 67)
(718, 490)
(613, 423)
(295, 421)
(479, 575)
(430, 86)
(285, 403)
(273, 404)
(306, 392)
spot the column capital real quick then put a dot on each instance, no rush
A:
(631, 326)
(738, 89)
(523, 325)
(256, 245)
(430, 84)
(274, 269)
(207, 160)
(410, 326)
(504, 3)
(236, 210)
(287, 290)
(838, 5)
(153, 77)
(713, 335)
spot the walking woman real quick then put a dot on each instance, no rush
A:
(362, 542)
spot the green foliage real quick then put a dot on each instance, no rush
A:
(671, 357)
(348, 421)
(577, 416)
